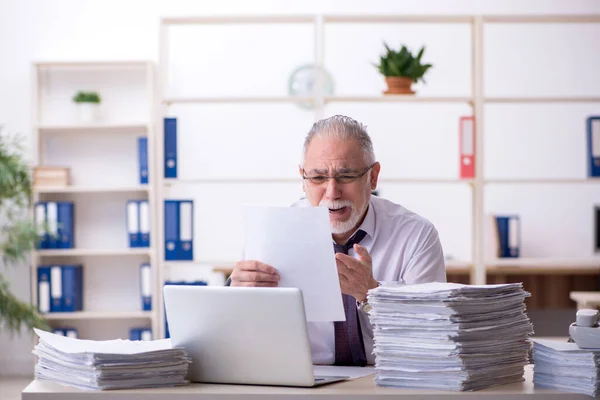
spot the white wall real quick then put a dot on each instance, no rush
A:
(94, 30)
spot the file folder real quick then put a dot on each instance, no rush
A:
(143, 334)
(43, 292)
(59, 332)
(146, 286)
(40, 223)
(467, 147)
(170, 128)
(52, 221)
(65, 226)
(171, 229)
(72, 280)
(593, 142)
(143, 159)
(186, 230)
(509, 236)
(144, 223)
(56, 289)
(133, 219)
(71, 333)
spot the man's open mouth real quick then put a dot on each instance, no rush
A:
(337, 210)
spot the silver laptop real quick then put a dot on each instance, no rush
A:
(254, 336)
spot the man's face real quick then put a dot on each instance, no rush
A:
(345, 159)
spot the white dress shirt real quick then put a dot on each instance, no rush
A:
(404, 247)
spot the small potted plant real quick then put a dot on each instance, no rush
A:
(87, 106)
(401, 69)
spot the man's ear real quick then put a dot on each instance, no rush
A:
(374, 175)
(301, 176)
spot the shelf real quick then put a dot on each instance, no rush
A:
(545, 266)
(83, 315)
(549, 99)
(361, 18)
(234, 99)
(94, 252)
(129, 128)
(239, 19)
(458, 267)
(93, 64)
(91, 189)
(190, 181)
(397, 98)
(543, 181)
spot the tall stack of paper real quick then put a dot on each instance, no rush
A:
(564, 366)
(449, 336)
(111, 364)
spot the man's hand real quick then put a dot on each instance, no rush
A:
(254, 273)
(356, 276)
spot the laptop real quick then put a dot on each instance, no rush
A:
(243, 335)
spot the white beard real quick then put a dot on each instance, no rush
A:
(340, 227)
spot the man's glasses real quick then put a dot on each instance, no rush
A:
(340, 179)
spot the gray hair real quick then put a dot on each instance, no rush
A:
(341, 127)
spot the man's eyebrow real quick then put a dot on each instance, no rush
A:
(342, 170)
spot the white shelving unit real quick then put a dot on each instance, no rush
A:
(103, 159)
(477, 266)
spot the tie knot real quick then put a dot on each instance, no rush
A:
(356, 238)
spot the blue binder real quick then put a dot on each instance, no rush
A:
(170, 128)
(40, 223)
(146, 287)
(509, 236)
(72, 280)
(593, 142)
(181, 283)
(185, 249)
(171, 229)
(144, 223)
(43, 289)
(56, 288)
(140, 334)
(68, 332)
(65, 227)
(52, 221)
(143, 159)
(133, 223)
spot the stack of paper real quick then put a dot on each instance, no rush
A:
(564, 366)
(449, 336)
(111, 364)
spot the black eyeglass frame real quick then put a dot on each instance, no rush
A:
(342, 179)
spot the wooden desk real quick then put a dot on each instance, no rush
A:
(361, 388)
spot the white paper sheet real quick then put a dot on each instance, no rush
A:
(336, 370)
(297, 242)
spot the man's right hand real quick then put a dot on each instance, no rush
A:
(254, 273)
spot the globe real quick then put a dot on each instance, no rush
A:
(303, 80)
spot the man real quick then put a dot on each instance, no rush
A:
(339, 171)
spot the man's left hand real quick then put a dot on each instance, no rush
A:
(356, 276)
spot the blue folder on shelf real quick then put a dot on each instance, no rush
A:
(133, 223)
(143, 159)
(593, 144)
(140, 334)
(144, 223)
(146, 286)
(170, 131)
(179, 230)
(509, 236)
(65, 226)
(171, 229)
(72, 290)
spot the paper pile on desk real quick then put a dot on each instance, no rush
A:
(564, 366)
(111, 364)
(449, 336)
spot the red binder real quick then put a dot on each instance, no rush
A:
(467, 147)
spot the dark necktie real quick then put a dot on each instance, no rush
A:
(349, 346)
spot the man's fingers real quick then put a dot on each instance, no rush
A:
(252, 265)
(350, 262)
(256, 284)
(348, 273)
(362, 252)
(255, 276)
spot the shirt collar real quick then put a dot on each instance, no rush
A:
(368, 224)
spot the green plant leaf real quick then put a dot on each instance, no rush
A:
(402, 63)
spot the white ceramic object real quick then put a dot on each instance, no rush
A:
(87, 113)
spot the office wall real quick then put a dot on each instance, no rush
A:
(93, 29)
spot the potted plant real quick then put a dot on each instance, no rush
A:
(18, 234)
(87, 106)
(401, 69)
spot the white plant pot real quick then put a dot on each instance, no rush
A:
(87, 113)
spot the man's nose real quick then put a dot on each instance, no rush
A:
(333, 190)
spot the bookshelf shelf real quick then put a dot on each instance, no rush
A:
(397, 98)
(529, 181)
(239, 99)
(87, 315)
(94, 252)
(118, 128)
(192, 181)
(549, 99)
(91, 189)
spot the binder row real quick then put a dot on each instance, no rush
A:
(179, 230)
(60, 288)
(507, 235)
(54, 221)
(143, 159)
(68, 332)
(144, 334)
(467, 147)
(138, 223)
(183, 283)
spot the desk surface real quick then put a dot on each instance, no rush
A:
(363, 388)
